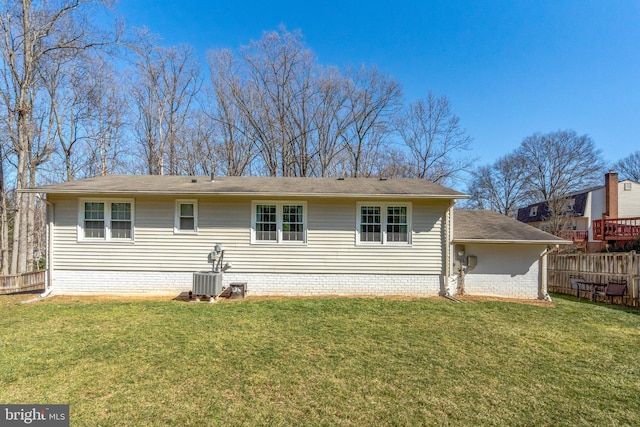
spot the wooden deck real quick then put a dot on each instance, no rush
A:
(619, 229)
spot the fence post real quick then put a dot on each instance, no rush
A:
(579, 262)
(632, 276)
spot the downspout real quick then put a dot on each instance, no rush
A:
(543, 293)
(448, 255)
(48, 281)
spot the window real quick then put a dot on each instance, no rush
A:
(571, 203)
(266, 223)
(94, 220)
(370, 224)
(105, 220)
(627, 186)
(383, 223)
(397, 224)
(186, 217)
(121, 220)
(533, 211)
(292, 223)
(279, 222)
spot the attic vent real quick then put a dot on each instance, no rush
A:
(627, 186)
(194, 180)
(341, 178)
(382, 178)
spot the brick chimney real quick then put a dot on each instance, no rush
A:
(611, 191)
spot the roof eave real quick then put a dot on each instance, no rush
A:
(247, 194)
(514, 242)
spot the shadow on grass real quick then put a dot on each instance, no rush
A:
(624, 308)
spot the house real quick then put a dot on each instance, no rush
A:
(511, 256)
(283, 236)
(592, 217)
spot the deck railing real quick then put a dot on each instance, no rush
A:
(22, 282)
(616, 229)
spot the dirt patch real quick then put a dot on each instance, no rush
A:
(536, 302)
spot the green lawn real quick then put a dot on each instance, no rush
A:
(333, 361)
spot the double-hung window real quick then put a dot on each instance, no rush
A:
(186, 216)
(384, 223)
(279, 222)
(106, 220)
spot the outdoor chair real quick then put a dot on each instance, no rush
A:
(615, 288)
(576, 284)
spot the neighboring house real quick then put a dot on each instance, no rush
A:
(283, 236)
(605, 214)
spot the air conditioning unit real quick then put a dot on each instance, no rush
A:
(207, 283)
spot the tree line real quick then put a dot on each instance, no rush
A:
(81, 99)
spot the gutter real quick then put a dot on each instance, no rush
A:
(48, 281)
(398, 196)
(515, 242)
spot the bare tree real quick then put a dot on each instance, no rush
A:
(501, 186)
(275, 99)
(560, 162)
(373, 99)
(34, 34)
(199, 154)
(435, 139)
(167, 81)
(331, 120)
(629, 167)
(233, 132)
(107, 143)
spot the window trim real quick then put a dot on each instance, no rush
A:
(107, 219)
(176, 216)
(279, 204)
(383, 223)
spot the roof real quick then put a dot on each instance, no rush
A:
(579, 207)
(263, 186)
(482, 226)
(543, 211)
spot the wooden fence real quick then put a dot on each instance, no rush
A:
(595, 268)
(22, 282)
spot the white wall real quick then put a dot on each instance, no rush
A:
(629, 200)
(506, 270)
(74, 282)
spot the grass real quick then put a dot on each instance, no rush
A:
(332, 361)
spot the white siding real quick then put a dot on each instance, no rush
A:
(330, 247)
(598, 204)
(504, 270)
(629, 200)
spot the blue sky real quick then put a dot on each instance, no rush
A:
(509, 68)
